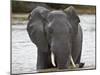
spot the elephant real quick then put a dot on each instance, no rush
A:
(57, 32)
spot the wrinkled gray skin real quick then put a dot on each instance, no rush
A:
(56, 32)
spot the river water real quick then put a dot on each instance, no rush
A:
(24, 52)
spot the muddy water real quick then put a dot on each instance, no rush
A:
(24, 52)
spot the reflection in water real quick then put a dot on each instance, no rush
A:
(24, 52)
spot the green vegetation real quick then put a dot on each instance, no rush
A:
(26, 7)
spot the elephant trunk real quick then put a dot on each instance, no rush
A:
(62, 54)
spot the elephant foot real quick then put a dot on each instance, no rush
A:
(81, 65)
(44, 67)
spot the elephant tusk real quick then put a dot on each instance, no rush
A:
(72, 61)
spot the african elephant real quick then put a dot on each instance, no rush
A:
(57, 32)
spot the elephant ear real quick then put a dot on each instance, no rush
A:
(36, 27)
(72, 17)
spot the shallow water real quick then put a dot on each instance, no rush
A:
(24, 52)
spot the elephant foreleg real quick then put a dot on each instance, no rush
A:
(44, 60)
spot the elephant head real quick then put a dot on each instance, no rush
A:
(59, 32)
(53, 31)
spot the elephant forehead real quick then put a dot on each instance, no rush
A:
(56, 16)
(57, 13)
